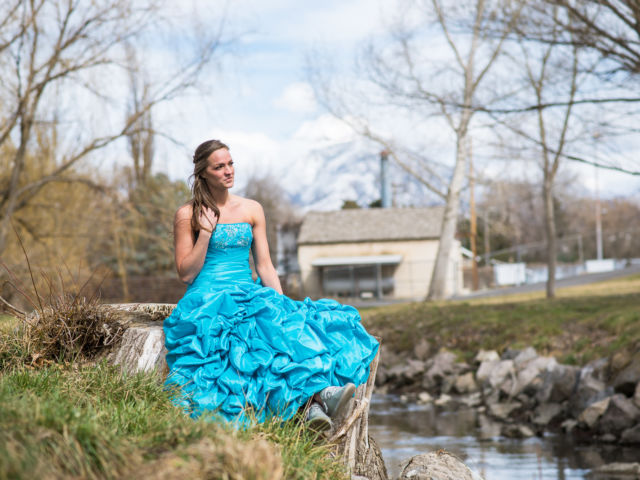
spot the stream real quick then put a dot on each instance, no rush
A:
(404, 430)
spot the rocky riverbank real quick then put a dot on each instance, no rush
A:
(520, 393)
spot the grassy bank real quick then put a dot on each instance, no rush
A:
(583, 323)
(88, 420)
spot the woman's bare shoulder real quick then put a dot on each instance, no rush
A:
(251, 208)
(245, 202)
(184, 212)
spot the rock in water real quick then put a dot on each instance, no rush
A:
(617, 470)
(438, 465)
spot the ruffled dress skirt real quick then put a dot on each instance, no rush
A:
(236, 347)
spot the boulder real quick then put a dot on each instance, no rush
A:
(396, 374)
(625, 382)
(598, 369)
(517, 431)
(628, 471)
(485, 369)
(501, 371)
(631, 435)
(465, 384)
(438, 465)
(568, 425)
(593, 412)
(471, 401)
(588, 391)
(502, 411)
(508, 385)
(558, 383)
(443, 400)
(620, 414)
(620, 360)
(525, 357)
(424, 398)
(528, 381)
(510, 354)
(389, 357)
(529, 378)
(414, 369)
(608, 438)
(422, 350)
(546, 413)
(447, 384)
(486, 356)
(442, 365)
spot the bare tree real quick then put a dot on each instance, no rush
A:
(608, 30)
(57, 59)
(610, 27)
(409, 80)
(141, 138)
(555, 72)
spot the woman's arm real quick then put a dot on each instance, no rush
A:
(260, 249)
(190, 253)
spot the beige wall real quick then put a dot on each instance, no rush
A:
(411, 277)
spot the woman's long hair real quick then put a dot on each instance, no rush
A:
(201, 195)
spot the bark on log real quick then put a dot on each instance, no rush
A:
(142, 346)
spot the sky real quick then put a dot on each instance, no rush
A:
(261, 105)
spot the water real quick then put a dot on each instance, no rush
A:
(404, 430)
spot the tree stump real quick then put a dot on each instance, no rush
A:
(141, 348)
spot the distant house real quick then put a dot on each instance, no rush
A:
(377, 252)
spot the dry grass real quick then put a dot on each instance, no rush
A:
(67, 322)
(226, 458)
(617, 286)
(70, 327)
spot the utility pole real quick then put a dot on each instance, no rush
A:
(598, 218)
(473, 227)
(596, 137)
(485, 232)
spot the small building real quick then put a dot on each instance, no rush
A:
(376, 252)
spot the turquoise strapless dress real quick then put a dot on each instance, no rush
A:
(233, 343)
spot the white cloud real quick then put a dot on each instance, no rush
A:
(323, 130)
(297, 97)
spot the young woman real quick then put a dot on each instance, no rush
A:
(236, 345)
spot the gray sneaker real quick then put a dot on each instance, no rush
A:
(336, 399)
(316, 419)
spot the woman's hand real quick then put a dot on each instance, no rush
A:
(208, 219)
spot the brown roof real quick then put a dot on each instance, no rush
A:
(373, 224)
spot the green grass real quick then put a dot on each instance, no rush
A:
(583, 323)
(91, 421)
(7, 322)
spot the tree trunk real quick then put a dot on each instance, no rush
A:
(438, 285)
(550, 233)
